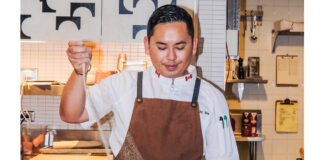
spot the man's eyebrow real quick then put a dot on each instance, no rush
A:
(178, 43)
(161, 43)
(181, 42)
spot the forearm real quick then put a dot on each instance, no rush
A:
(72, 107)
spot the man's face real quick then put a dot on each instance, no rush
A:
(171, 49)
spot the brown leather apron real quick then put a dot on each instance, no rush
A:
(163, 129)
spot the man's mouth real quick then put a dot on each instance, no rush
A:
(172, 67)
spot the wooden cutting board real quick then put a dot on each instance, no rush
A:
(76, 144)
(70, 157)
(74, 151)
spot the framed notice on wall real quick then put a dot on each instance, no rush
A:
(254, 67)
(286, 116)
(287, 70)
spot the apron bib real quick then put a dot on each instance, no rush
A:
(163, 129)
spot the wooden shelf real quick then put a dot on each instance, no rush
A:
(240, 138)
(48, 90)
(241, 82)
(284, 27)
(275, 35)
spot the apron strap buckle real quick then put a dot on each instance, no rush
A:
(139, 100)
(193, 104)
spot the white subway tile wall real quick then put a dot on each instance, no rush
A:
(46, 111)
(278, 146)
(212, 16)
(51, 61)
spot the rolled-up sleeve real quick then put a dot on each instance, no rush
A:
(99, 102)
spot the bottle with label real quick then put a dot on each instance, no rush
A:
(232, 123)
(240, 72)
(49, 138)
(246, 125)
(253, 121)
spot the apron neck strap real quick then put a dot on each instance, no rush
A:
(194, 102)
(139, 98)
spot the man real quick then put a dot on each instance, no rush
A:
(175, 116)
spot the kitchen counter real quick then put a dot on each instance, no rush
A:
(70, 157)
(28, 157)
(82, 135)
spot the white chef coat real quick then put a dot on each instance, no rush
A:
(118, 92)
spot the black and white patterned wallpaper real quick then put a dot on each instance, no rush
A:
(97, 20)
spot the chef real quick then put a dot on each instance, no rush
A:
(166, 112)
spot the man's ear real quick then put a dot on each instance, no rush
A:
(195, 46)
(146, 46)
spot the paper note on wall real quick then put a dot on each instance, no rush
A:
(287, 70)
(286, 117)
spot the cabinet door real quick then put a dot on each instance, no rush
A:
(61, 19)
(126, 20)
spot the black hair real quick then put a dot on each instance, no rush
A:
(167, 14)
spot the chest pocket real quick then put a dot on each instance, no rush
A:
(224, 134)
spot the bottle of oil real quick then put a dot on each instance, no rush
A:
(240, 69)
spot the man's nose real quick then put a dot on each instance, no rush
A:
(171, 55)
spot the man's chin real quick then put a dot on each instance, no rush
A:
(171, 74)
